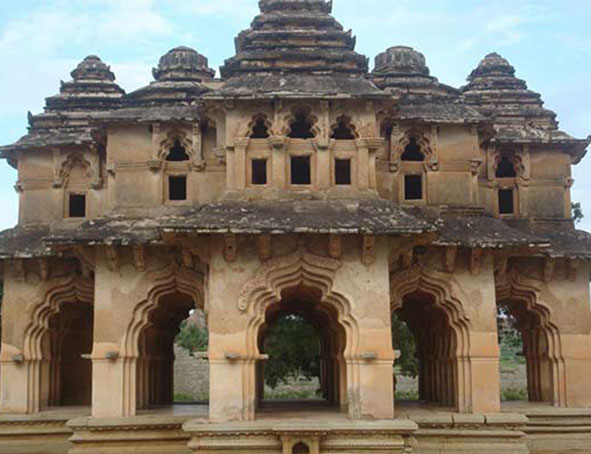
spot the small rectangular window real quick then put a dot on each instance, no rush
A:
(300, 170)
(506, 201)
(342, 171)
(77, 206)
(259, 171)
(177, 188)
(413, 187)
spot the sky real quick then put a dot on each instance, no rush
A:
(41, 41)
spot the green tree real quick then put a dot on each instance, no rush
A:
(193, 338)
(577, 212)
(404, 341)
(293, 348)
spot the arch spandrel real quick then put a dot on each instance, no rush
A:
(63, 291)
(168, 281)
(301, 268)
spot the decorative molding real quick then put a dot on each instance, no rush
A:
(449, 260)
(548, 269)
(335, 246)
(476, 261)
(230, 248)
(139, 258)
(264, 247)
(368, 252)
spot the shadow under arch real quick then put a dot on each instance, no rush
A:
(268, 287)
(147, 347)
(546, 380)
(69, 299)
(426, 301)
(305, 303)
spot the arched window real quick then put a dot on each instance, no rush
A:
(343, 130)
(301, 448)
(259, 129)
(506, 168)
(301, 127)
(177, 153)
(413, 152)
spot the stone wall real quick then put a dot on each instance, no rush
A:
(191, 375)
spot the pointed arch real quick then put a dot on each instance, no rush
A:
(44, 388)
(344, 129)
(171, 281)
(176, 138)
(75, 161)
(450, 375)
(267, 288)
(259, 127)
(522, 296)
(301, 123)
(414, 135)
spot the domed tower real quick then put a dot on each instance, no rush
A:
(518, 113)
(180, 77)
(291, 38)
(92, 87)
(496, 91)
(401, 66)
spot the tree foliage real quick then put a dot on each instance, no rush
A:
(404, 341)
(193, 338)
(293, 349)
(577, 212)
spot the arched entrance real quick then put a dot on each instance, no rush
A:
(58, 344)
(155, 363)
(148, 346)
(436, 348)
(281, 283)
(304, 304)
(518, 301)
(425, 303)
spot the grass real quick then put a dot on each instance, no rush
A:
(291, 394)
(407, 395)
(513, 394)
(183, 397)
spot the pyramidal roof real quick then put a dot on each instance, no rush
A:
(295, 36)
(494, 87)
(92, 87)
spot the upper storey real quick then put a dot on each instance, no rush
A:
(296, 114)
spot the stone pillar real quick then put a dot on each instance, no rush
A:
(479, 373)
(567, 295)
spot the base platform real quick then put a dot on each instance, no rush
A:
(418, 429)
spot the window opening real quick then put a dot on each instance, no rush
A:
(177, 188)
(300, 170)
(413, 187)
(177, 153)
(506, 201)
(343, 130)
(506, 169)
(342, 171)
(301, 128)
(259, 130)
(259, 171)
(301, 448)
(413, 152)
(77, 206)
